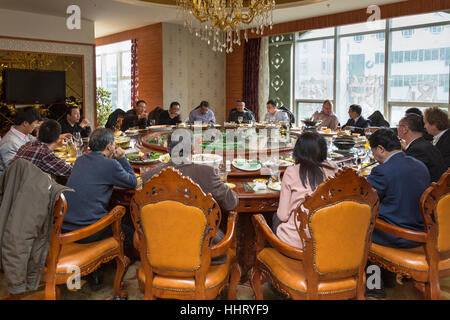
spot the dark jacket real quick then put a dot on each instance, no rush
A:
(26, 217)
(132, 120)
(399, 182)
(93, 178)
(443, 145)
(210, 182)
(424, 151)
(164, 118)
(246, 115)
(67, 128)
(359, 126)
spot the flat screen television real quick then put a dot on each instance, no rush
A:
(33, 86)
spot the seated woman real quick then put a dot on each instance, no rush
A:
(311, 169)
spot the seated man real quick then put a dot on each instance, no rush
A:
(136, 117)
(40, 152)
(179, 146)
(93, 178)
(171, 116)
(417, 111)
(400, 181)
(202, 114)
(25, 121)
(71, 123)
(437, 124)
(240, 111)
(414, 144)
(329, 119)
(356, 123)
(273, 115)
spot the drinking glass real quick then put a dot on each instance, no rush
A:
(240, 119)
(223, 175)
(152, 122)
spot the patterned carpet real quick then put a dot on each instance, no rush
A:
(405, 291)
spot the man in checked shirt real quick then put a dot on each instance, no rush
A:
(40, 151)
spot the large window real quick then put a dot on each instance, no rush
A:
(388, 65)
(113, 62)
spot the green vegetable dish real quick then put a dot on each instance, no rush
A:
(144, 157)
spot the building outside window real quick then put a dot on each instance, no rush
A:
(113, 64)
(411, 70)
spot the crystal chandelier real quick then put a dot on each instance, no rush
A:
(219, 22)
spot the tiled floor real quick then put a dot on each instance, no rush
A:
(406, 291)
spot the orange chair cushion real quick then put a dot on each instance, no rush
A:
(443, 222)
(215, 276)
(174, 234)
(290, 273)
(413, 258)
(83, 255)
(339, 233)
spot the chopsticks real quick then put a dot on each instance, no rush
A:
(368, 165)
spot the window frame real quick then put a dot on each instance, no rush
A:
(119, 74)
(416, 56)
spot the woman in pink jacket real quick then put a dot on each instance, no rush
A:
(311, 169)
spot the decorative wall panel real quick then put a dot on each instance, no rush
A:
(192, 72)
(86, 51)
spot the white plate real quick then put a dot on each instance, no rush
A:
(245, 167)
(207, 158)
(165, 158)
(276, 186)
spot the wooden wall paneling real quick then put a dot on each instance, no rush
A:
(234, 77)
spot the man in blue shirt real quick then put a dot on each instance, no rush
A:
(274, 115)
(93, 177)
(202, 114)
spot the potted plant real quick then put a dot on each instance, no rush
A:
(104, 106)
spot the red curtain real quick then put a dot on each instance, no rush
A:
(251, 75)
(134, 73)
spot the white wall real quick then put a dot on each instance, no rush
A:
(192, 72)
(37, 26)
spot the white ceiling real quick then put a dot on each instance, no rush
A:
(112, 16)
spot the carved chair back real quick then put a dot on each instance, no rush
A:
(176, 223)
(335, 224)
(435, 206)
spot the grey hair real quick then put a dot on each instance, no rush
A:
(100, 138)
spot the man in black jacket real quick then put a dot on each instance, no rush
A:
(415, 145)
(437, 124)
(240, 111)
(71, 123)
(136, 117)
(356, 123)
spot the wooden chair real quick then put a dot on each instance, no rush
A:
(335, 224)
(65, 253)
(175, 224)
(431, 261)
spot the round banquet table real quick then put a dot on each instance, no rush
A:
(250, 202)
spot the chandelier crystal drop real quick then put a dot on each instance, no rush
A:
(219, 22)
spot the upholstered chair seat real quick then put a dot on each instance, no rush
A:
(86, 256)
(290, 273)
(414, 259)
(216, 277)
